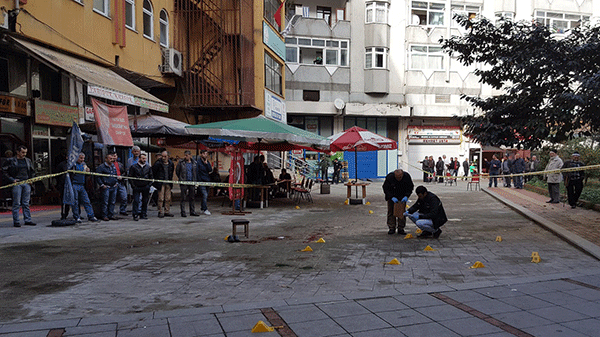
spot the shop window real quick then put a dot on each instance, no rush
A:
(316, 51)
(324, 13)
(427, 13)
(311, 95)
(164, 28)
(376, 12)
(376, 58)
(273, 77)
(130, 14)
(148, 20)
(426, 57)
(102, 7)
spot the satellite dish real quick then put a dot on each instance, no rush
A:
(339, 103)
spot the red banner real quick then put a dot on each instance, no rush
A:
(112, 124)
(236, 175)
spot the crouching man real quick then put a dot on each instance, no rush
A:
(427, 213)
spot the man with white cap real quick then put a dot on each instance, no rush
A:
(574, 179)
(554, 178)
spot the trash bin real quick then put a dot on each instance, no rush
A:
(325, 188)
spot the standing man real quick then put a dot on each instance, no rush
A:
(425, 169)
(553, 179)
(427, 213)
(534, 164)
(163, 170)
(18, 169)
(121, 185)
(519, 168)
(337, 169)
(141, 188)
(108, 187)
(397, 187)
(79, 191)
(466, 165)
(64, 208)
(574, 179)
(135, 151)
(439, 170)
(204, 169)
(187, 170)
(506, 170)
(324, 166)
(494, 169)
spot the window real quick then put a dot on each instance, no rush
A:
(130, 14)
(102, 7)
(316, 51)
(324, 13)
(427, 13)
(509, 16)
(377, 12)
(560, 22)
(311, 95)
(164, 28)
(273, 78)
(373, 124)
(426, 57)
(270, 7)
(470, 11)
(148, 20)
(376, 58)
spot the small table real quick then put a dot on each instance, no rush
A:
(264, 194)
(356, 184)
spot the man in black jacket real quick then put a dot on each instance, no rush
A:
(17, 169)
(141, 169)
(398, 186)
(163, 170)
(427, 213)
(574, 179)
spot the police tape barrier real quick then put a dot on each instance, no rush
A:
(194, 183)
(536, 173)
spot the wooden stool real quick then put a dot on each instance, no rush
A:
(240, 222)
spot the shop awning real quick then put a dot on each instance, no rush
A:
(101, 82)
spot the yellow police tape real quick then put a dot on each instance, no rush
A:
(195, 183)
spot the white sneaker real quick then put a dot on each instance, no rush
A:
(207, 212)
(78, 220)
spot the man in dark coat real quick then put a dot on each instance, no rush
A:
(427, 213)
(204, 169)
(495, 166)
(163, 170)
(397, 187)
(108, 186)
(17, 169)
(187, 170)
(141, 169)
(518, 167)
(574, 179)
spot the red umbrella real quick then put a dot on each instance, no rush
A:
(359, 139)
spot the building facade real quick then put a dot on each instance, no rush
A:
(379, 65)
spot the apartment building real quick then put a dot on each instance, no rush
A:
(379, 65)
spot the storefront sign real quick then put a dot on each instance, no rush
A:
(272, 40)
(112, 124)
(433, 134)
(13, 104)
(52, 113)
(126, 98)
(275, 107)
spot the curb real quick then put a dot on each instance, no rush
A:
(573, 239)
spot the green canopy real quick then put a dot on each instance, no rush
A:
(259, 129)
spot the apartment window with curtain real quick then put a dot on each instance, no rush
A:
(426, 57)
(427, 13)
(130, 14)
(377, 12)
(164, 28)
(376, 58)
(470, 11)
(148, 14)
(102, 7)
(324, 13)
(560, 22)
(270, 7)
(316, 51)
(273, 77)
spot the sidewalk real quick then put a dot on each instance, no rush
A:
(177, 277)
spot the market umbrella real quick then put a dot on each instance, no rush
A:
(359, 139)
(260, 129)
(157, 126)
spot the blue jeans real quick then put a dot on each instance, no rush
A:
(518, 181)
(109, 198)
(425, 225)
(495, 179)
(204, 199)
(140, 201)
(81, 197)
(21, 194)
(122, 197)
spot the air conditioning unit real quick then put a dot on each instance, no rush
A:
(172, 62)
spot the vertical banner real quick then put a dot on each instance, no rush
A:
(236, 175)
(112, 124)
(119, 23)
(75, 147)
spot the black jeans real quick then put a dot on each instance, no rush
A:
(574, 189)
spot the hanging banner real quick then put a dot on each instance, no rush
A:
(112, 124)
(236, 175)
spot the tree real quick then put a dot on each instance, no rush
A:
(549, 83)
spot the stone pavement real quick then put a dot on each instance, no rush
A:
(177, 277)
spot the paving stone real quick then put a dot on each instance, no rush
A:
(470, 326)
(499, 292)
(558, 314)
(492, 306)
(591, 309)
(419, 300)
(204, 327)
(442, 312)
(521, 319)
(301, 313)
(427, 330)
(241, 322)
(388, 332)
(157, 330)
(356, 323)
(526, 302)
(559, 298)
(319, 328)
(382, 304)
(341, 309)
(588, 327)
(43, 325)
(465, 296)
(586, 294)
(79, 330)
(404, 317)
(554, 330)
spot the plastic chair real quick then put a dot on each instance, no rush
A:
(302, 193)
(449, 179)
(474, 182)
